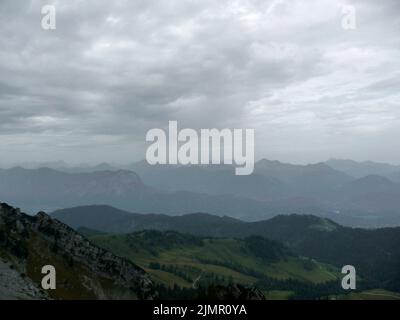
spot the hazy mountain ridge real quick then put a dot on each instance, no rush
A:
(275, 188)
(365, 168)
(48, 188)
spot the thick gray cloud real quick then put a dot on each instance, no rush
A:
(90, 90)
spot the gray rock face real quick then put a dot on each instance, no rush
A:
(14, 286)
(18, 231)
(100, 261)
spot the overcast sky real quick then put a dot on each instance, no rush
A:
(89, 90)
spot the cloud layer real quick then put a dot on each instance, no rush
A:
(90, 90)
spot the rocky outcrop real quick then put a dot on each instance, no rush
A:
(16, 286)
(32, 241)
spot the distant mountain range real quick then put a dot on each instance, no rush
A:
(356, 195)
(49, 189)
(365, 168)
(374, 253)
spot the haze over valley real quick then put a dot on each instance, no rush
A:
(351, 193)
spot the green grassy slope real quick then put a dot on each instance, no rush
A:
(187, 261)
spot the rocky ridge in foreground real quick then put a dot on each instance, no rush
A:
(83, 270)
